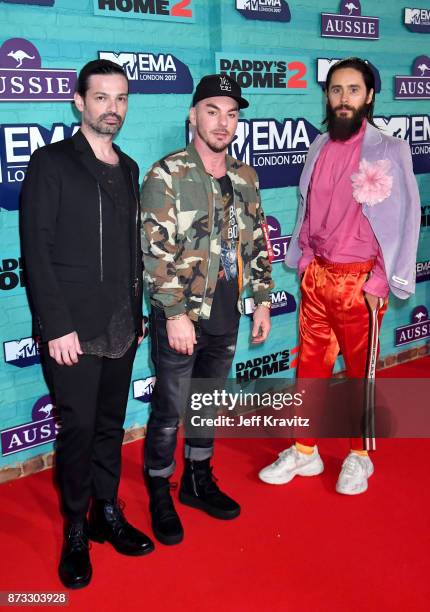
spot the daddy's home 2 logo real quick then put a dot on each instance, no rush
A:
(265, 73)
(325, 63)
(17, 143)
(42, 429)
(418, 329)
(11, 274)
(415, 129)
(152, 74)
(416, 86)
(272, 364)
(265, 10)
(22, 78)
(165, 10)
(21, 353)
(418, 20)
(349, 23)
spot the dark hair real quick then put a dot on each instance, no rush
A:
(100, 66)
(368, 76)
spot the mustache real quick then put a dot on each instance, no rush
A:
(108, 115)
(343, 107)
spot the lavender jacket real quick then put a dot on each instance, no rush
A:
(395, 221)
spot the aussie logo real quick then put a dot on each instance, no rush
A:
(11, 274)
(165, 10)
(41, 430)
(282, 303)
(17, 143)
(325, 63)
(423, 271)
(278, 242)
(267, 10)
(416, 86)
(416, 130)
(264, 73)
(418, 329)
(152, 74)
(21, 353)
(22, 79)
(143, 388)
(349, 23)
(418, 20)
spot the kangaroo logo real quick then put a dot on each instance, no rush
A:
(419, 316)
(19, 56)
(350, 8)
(47, 410)
(423, 68)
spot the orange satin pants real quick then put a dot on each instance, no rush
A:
(334, 315)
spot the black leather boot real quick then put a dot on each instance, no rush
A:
(75, 566)
(107, 523)
(200, 490)
(166, 523)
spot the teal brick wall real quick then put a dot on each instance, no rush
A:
(68, 35)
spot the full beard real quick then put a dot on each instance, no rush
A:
(342, 128)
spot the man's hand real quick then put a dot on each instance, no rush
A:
(372, 300)
(261, 324)
(181, 335)
(65, 350)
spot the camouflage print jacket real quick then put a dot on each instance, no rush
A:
(182, 214)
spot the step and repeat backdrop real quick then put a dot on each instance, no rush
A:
(280, 53)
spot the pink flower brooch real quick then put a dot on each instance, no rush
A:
(372, 184)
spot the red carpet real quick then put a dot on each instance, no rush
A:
(295, 547)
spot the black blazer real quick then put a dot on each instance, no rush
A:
(69, 256)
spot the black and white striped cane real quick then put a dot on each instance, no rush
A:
(369, 438)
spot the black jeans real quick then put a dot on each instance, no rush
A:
(212, 358)
(91, 399)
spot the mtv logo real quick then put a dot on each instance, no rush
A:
(323, 66)
(21, 353)
(412, 15)
(395, 126)
(247, 4)
(240, 147)
(143, 388)
(127, 61)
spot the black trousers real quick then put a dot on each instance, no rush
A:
(91, 399)
(212, 359)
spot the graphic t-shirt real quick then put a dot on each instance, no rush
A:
(224, 317)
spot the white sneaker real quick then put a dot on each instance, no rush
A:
(292, 463)
(354, 474)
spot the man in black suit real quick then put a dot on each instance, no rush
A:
(80, 233)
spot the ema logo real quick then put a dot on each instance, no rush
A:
(416, 130)
(267, 10)
(166, 10)
(17, 143)
(425, 216)
(21, 353)
(11, 274)
(23, 80)
(264, 73)
(423, 271)
(418, 20)
(417, 86)
(277, 149)
(41, 430)
(349, 23)
(148, 73)
(282, 303)
(143, 388)
(419, 329)
(324, 64)
(38, 2)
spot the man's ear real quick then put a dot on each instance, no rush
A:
(192, 116)
(79, 101)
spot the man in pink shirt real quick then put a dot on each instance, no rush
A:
(356, 238)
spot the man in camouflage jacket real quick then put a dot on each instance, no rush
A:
(204, 248)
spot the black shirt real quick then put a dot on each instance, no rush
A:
(224, 316)
(119, 334)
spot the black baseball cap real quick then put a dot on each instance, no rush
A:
(213, 85)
